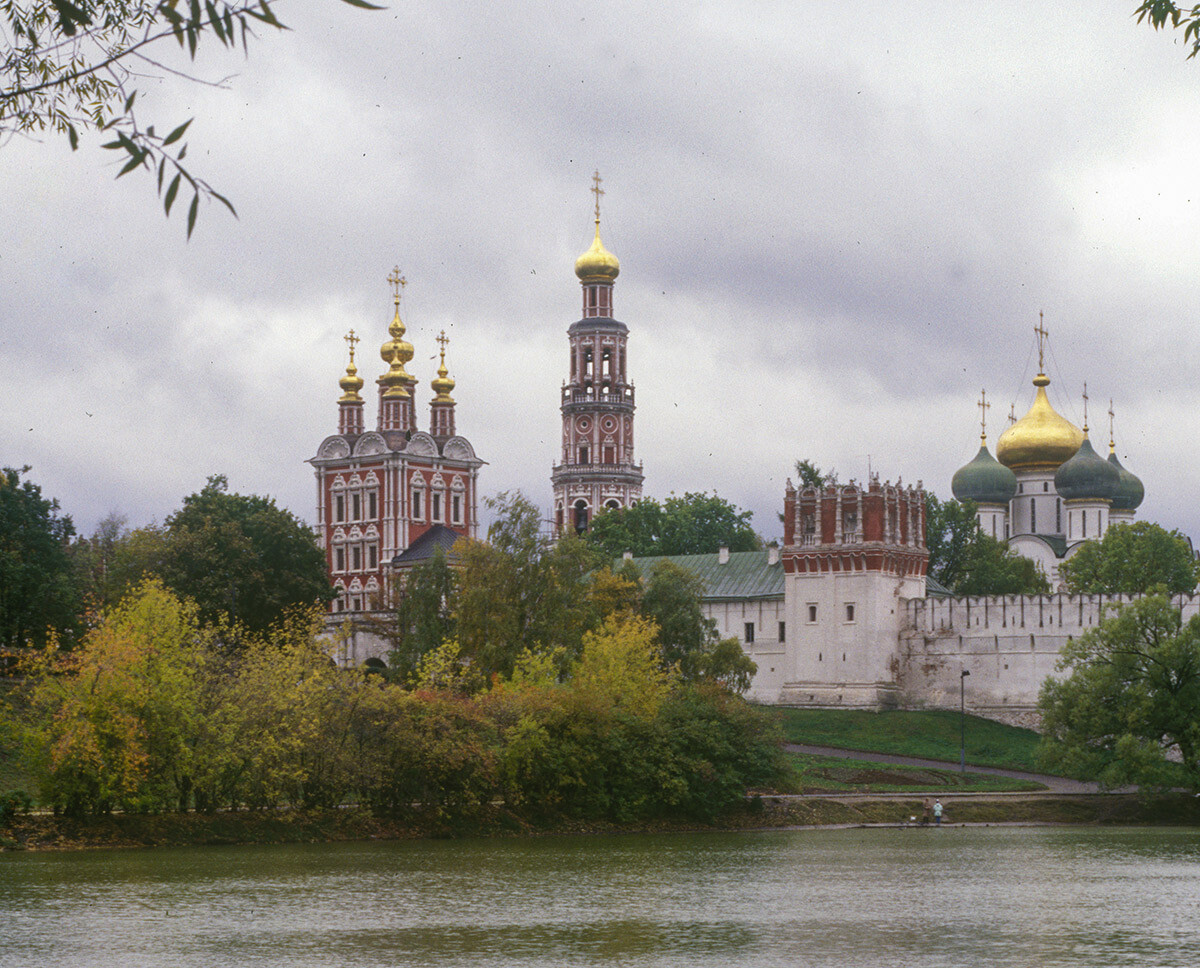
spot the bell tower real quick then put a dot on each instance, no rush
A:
(597, 469)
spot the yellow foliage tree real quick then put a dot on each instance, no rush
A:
(621, 667)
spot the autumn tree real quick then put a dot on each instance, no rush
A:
(1127, 707)
(73, 66)
(114, 724)
(38, 592)
(691, 524)
(1131, 559)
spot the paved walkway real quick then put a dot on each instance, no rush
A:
(1053, 784)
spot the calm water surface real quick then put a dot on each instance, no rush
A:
(845, 898)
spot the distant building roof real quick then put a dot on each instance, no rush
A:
(437, 538)
(935, 589)
(745, 575)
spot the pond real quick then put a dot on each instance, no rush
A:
(863, 897)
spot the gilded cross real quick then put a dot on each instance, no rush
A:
(1042, 333)
(984, 407)
(351, 341)
(397, 282)
(1085, 400)
(1111, 443)
(443, 340)
(1012, 414)
(597, 191)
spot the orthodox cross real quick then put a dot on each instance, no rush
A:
(351, 340)
(443, 339)
(984, 407)
(1085, 400)
(1111, 444)
(397, 282)
(597, 191)
(1012, 414)
(1042, 333)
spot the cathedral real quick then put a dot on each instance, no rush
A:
(1047, 490)
(390, 497)
(597, 471)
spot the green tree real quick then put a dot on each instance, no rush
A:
(693, 524)
(69, 66)
(38, 591)
(809, 474)
(520, 591)
(241, 558)
(969, 562)
(418, 614)
(1131, 700)
(1131, 559)
(1166, 13)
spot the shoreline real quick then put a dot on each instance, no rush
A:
(45, 832)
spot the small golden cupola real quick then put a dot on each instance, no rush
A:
(441, 408)
(396, 351)
(351, 383)
(597, 264)
(350, 403)
(442, 384)
(1042, 439)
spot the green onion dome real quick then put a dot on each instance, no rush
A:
(985, 480)
(1087, 476)
(1130, 491)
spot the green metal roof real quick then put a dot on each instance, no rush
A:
(745, 575)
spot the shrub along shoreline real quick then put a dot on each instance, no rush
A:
(45, 832)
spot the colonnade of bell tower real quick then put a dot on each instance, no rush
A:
(597, 469)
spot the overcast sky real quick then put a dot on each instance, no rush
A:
(836, 224)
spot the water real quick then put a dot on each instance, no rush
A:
(846, 898)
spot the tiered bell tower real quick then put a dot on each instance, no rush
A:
(597, 471)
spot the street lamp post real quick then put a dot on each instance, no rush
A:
(962, 719)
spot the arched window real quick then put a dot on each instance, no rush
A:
(581, 516)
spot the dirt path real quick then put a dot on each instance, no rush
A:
(1053, 784)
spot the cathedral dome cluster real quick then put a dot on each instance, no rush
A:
(1047, 490)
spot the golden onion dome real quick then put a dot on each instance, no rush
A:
(396, 352)
(1041, 439)
(597, 264)
(442, 384)
(351, 383)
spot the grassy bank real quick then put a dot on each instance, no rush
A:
(822, 774)
(44, 832)
(929, 734)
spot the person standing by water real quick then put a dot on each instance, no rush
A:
(937, 811)
(926, 811)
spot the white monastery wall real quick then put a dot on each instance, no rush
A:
(1008, 644)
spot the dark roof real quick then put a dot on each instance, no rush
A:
(745, 575)
(437, 538)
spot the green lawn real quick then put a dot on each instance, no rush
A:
(824, 774)
(930, 734)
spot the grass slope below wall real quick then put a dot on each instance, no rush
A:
(929, 734)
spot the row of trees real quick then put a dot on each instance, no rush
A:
(240, 558)
(518, 593)
(154, 713)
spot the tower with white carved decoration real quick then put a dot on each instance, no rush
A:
(391, 497)
(597, 469)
